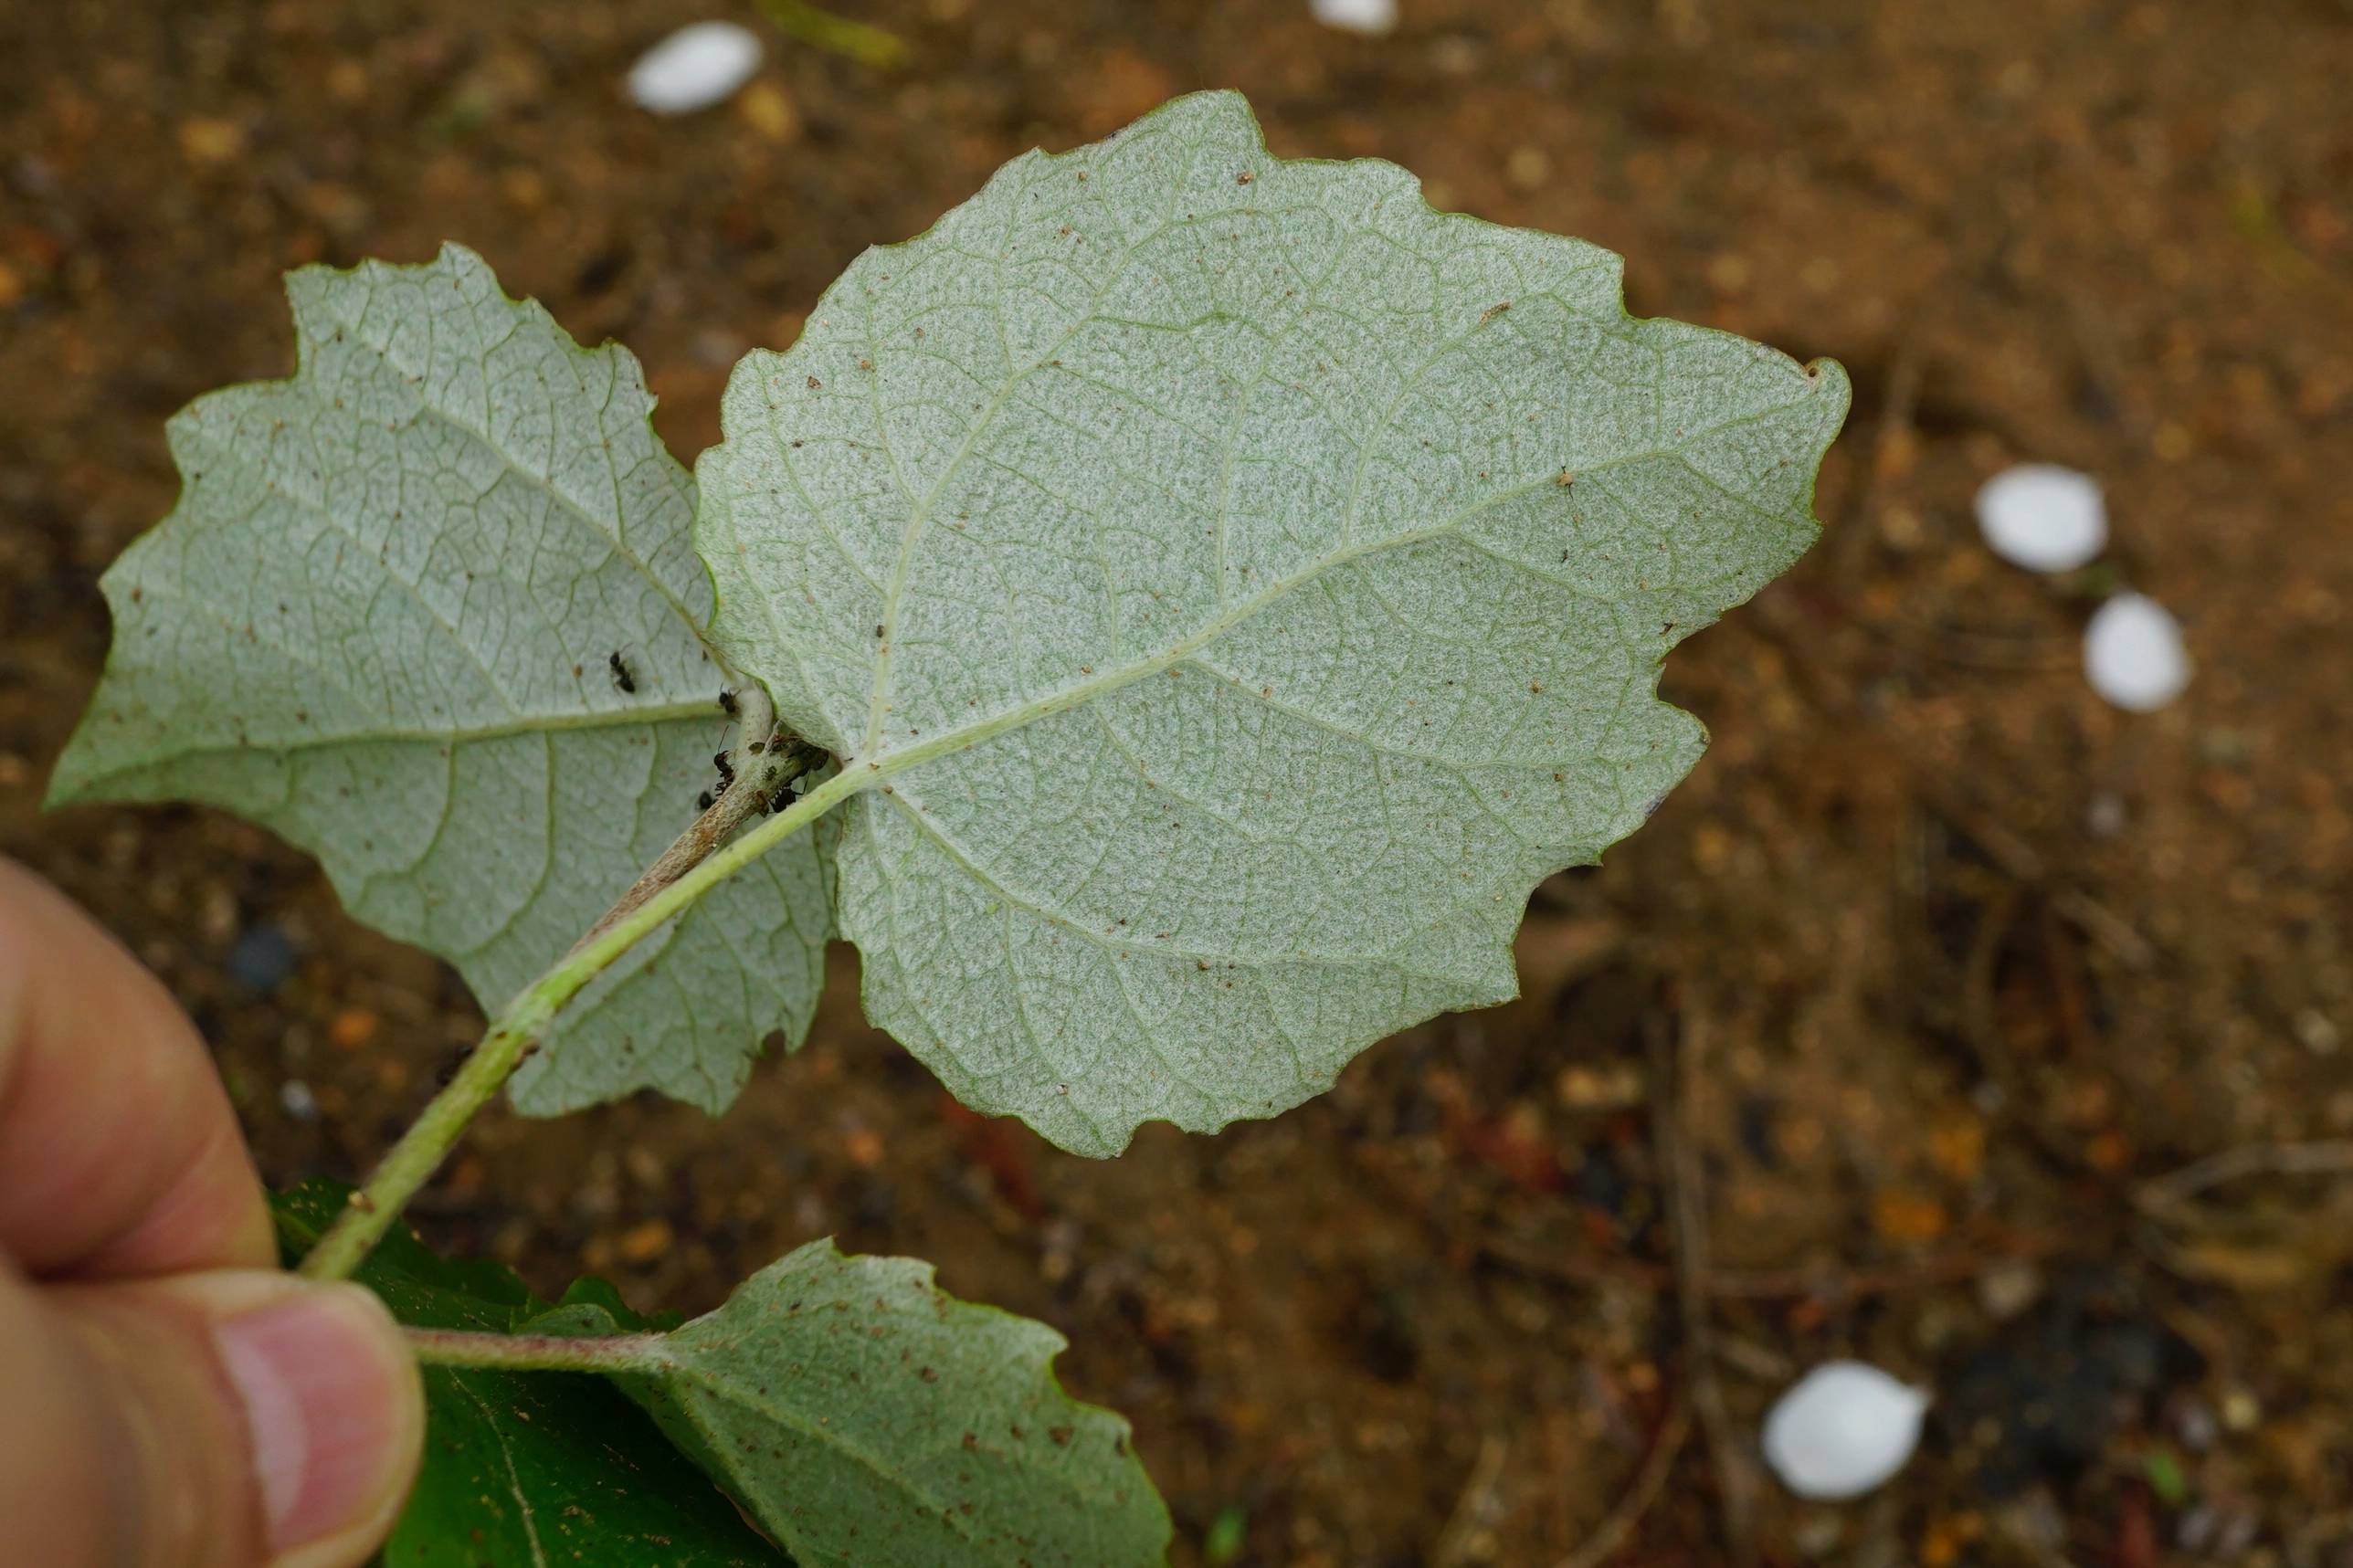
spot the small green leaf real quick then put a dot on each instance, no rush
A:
(1233, 585)
(534, 1470)
(382, 620)
(1228, 1534)
(865, 1417)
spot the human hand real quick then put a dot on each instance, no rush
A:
(168, 1398)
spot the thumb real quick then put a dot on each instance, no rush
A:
(230, 1419)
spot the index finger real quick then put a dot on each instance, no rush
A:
(119, 1153)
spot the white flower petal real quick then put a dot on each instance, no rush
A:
(2042, 517)
(695, 68)
(2133, 654)
(1842, 1429)
(1371, 17)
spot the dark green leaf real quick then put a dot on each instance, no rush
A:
(531, 1469)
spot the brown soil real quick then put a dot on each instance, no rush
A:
(1956, 959)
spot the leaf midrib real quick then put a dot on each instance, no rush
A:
(525, 725)
(874, 769)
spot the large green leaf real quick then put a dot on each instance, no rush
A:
(866, 1417)
(381, 621)
(530, 1470)
(1234, 586)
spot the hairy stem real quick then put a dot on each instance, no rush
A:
(519, 1027)
(535, 1352)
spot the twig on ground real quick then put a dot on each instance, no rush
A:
(1474, 1508)
(2327, 1157)
(1677, 1054)
(1649, 1481)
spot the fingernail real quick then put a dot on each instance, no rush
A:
(323, 1412)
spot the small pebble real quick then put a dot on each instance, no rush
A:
(262, 959)
(2105, 815)
(2317, 1033)
(766, 109)
(2241, 1411)
(2195, 1425)
(1842, 1429)
(645, 1242)
(2008, 1290)
(2042, 517)
(695, 68)
(350, 1029)
(2133, 654)
(1370, 17)
(1527, 168)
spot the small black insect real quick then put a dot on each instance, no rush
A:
(728, 706)
(726, 769)
(623, 675)
(702, 802)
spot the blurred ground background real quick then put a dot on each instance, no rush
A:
(1915, 1001)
